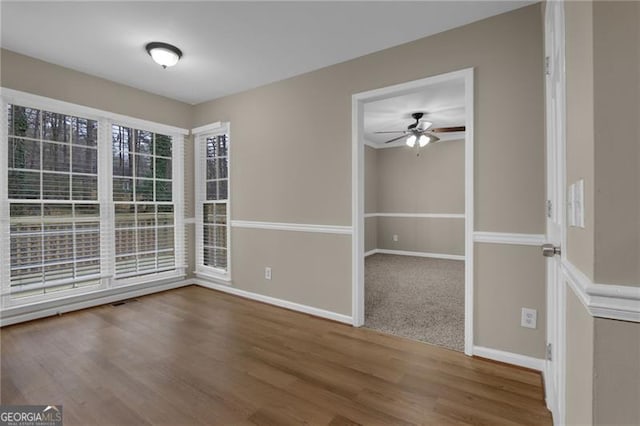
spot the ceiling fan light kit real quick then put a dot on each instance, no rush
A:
(422, 141)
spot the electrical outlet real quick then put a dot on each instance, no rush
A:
(395, 237)
(267, 273)
(529, 318)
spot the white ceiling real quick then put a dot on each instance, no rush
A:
(228, 46)
(442, 105)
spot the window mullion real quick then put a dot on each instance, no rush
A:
(177, 174)
(5, 246)
(200, 163)
(105, 197)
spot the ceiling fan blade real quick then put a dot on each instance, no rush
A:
(395, 139)
(433, 137)
(424, 125)
(449, 129)
(394, 131)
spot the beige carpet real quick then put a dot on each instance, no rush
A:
(416, 297)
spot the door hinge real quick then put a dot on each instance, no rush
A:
(549, 208)
(549, 351)
(547, 65)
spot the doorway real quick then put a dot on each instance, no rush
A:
(406, 260)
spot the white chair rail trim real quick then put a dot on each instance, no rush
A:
(299, 227)
(610, 301)
(509, 238)
(419, 215)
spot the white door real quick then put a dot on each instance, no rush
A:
(555, 144)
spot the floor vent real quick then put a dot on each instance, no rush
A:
(123, 302)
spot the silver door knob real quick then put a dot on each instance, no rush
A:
(549, 250)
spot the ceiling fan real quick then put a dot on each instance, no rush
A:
(421, 132)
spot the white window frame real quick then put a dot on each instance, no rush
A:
(105, 120)
(177, 189)
(200, 136)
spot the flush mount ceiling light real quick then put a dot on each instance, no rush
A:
(164, 54)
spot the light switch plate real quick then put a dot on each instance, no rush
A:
(571, 214)
(579, 203)
(529, 318)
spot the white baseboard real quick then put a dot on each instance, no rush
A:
(510, 358)
(119, 294)
(226, 288)
(550, 397)
(416, 253)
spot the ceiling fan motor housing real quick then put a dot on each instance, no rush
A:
(416, 116)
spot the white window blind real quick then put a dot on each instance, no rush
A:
(86, 205)
(212, 192)
(52, 180)
(143, 201)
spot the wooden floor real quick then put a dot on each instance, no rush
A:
(197, 356)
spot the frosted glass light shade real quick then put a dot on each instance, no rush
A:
(164, 54)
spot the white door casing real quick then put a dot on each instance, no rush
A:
(357, 174)
(555, 104)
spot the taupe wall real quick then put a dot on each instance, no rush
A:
(603, 105)
(278, 176)
(370, 198)
(579, 374)
(508, 278)
(426, 235)
(370, 233)
(617, 144)
(322, 259)
(580, 119)
(370, 180)
(430, 183)
(616, 382)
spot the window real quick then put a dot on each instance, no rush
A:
(53, 201)
(212, 194)
(89, 200)
(143, 201)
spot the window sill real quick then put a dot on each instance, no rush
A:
(212, 274)
(61, 305)
(148, 278)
